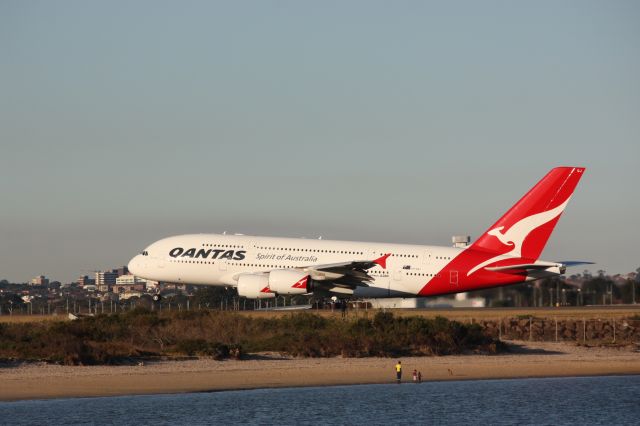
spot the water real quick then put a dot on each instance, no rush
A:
(579, 401)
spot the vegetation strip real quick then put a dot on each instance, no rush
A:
(139, 334)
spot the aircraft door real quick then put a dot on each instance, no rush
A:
(453, 278)
(222, 265)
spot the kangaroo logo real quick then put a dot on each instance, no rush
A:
(302, 283)
(519, 232)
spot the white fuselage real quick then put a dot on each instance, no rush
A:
(213, 259)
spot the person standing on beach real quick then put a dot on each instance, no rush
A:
(419, 376)
(399, 371)
(415, 376)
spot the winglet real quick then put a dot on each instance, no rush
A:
(382, 261)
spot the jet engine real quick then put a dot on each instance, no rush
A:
(287, 281)
(254, 287)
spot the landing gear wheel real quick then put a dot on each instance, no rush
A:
(156, 297)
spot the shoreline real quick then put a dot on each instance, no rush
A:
(525, 360)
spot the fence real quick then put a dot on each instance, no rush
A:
(614, 330)
(93, 306)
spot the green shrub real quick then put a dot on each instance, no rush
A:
(120, 337)
(201, 347)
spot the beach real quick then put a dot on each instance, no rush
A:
(525, 359)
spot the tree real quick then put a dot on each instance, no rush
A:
(628, 291)
(596, 290)
(633, 286)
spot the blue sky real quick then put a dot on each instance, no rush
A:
(124, 122)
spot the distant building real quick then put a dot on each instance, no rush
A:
(152, 285)
(123, 270)
(40, 280)
(84, 281)
(129, 280)
(105, 280)
(129, 283)
(130, 294)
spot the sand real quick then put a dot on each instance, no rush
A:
(536, 359)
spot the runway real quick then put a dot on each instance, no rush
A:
(459, 314)
(467, 314)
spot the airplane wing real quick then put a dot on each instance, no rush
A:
(346, 275)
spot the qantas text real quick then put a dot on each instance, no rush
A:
(208, 253)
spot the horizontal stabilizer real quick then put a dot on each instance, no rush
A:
(520, 267)
(570, 263)
(537, 268)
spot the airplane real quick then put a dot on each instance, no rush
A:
(266, 267)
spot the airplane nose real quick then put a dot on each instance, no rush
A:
(134, 265)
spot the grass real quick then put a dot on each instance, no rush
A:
(31, 318)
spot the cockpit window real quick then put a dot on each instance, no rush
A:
(145, 253)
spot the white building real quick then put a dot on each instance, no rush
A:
(129, 295)
(129, 280)
(40, 280)
(104, 280)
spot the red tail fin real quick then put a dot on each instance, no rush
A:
(524, 230)
(516, 239)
